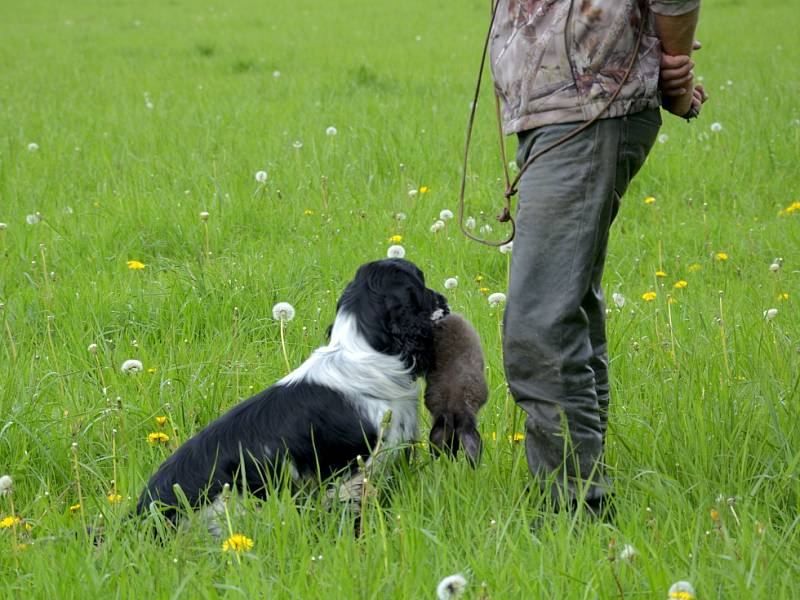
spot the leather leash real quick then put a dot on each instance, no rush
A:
(511, 186)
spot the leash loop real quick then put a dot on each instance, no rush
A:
(512, 185)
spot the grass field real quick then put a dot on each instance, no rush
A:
(121, 121)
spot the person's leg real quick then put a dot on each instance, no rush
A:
(553, 336)
(637, 137)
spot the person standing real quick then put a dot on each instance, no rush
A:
(556, 65)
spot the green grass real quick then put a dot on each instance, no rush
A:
(704, 409)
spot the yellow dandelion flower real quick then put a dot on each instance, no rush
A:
(75, 507)
(721, 256)
(237, 543)
(161, 421)
(151, 370)
(649, 296)
(517, 437)
(794, 206)
(661, 274)
(649, 200)
(478, 278)
(783, 296)
(9, 522)
(694, 267)
(483, 290)
(714, 515)
(680, 284)
(114, 498)
(135, 265)
(308, 212)
(423, 189)
(396, 239)
(494, 436)
(157, 437)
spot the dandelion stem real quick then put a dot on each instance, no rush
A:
(114, 461)
(100, 371)
(45, 282)
(225, 496)
(13, 518)
(208, 244)
(55, 356)
(723, 338)
(283, 346)
(325, 193)
(76, 468)
(672, 349)
(11, 343)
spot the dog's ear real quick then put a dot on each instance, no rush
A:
(410, 327)
(443, 435)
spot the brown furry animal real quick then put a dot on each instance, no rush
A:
(456, 387)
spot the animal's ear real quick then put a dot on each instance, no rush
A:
(471, 441)
(411, 329)
(443, 436)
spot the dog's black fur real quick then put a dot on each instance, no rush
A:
(318, 419)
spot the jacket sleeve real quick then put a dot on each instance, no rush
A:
(673, 8)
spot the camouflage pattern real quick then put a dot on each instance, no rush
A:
(559, 61)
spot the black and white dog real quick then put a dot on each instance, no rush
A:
(319, 418)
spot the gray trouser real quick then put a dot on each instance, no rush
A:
(554, 343)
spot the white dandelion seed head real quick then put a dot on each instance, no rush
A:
(261, 176)
(32, 219)
(3, 226)
(681, 589)
(496, 299)
(283, 311)
(297, 144)
(470, 223)
(412, 193)
(437, 226)
(331, 131)
(131, 366)
(486, 228)
(6, 485)
(770, 314)
(276, 74)
(451, 283)
(446, 214)
(773, 267)
(33, 147)
(716, 127)
(149, 105)
(204, 215)
(451, 587)
(401, 216)
(628, 553)
(92, 348)
(663, 138)
(396, 251)
(619, 299)
(506, 248)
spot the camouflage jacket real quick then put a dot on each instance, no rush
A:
(559, 61)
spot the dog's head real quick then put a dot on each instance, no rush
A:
(395, 311)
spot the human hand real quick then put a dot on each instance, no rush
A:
(676, 76)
